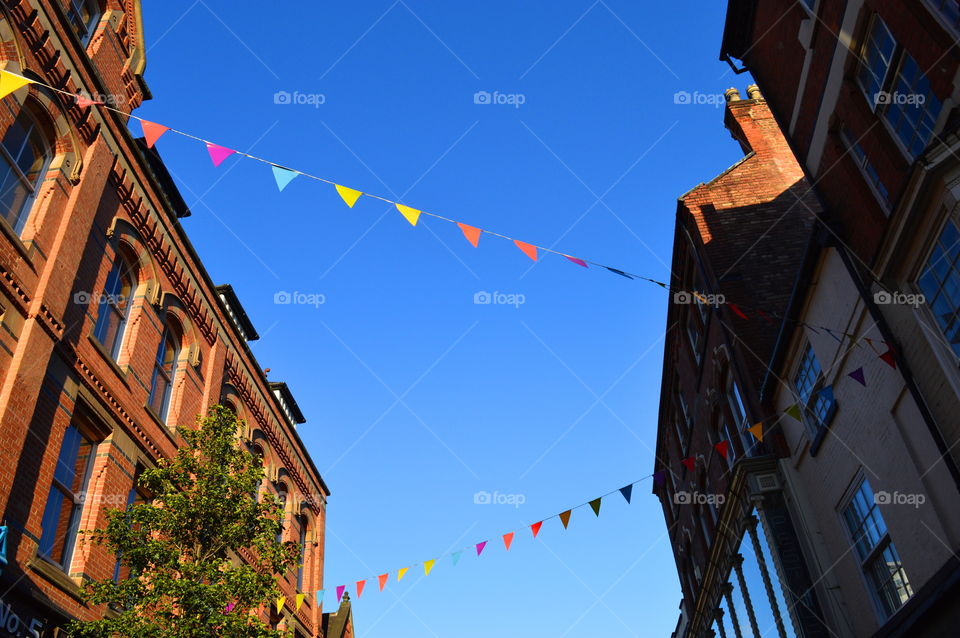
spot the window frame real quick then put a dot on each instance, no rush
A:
(175, 337)
(941, 330)
(19, 220)
(90, 27)
(862, 160)
(815, 430)
(109, 302)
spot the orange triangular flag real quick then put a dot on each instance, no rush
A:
(757, 431)
(383, 580)
(411, 214)
(360, 585)
(528, 249)
(472, 234)
(565, 518)
(348, 195)
(535, 528)
(507, 539)
(152, 131)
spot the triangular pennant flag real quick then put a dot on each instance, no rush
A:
(401, 573)
(722, 447)
(152, 132)
(428, 565)
(889, 359)
(348, 195)
(83, 101)
(383, 578)
(280, 602)
(411, 214)
(619, 272)
(340, 589)
(756, 431)
(283, 176)
(320, 597)
(229, 608)
(480, 547)
(736, 310)
(689, 463)
(10, 82)
(300, 598)
(528, 249)
(764, 316)
(507, 540)
(595, 504)
(827, 393)
(660, 477)
(535, 528)
(660, 283)
(578, 262)
(858, 376)
(456, 557)
(565, 518)
(471, 233)
(360, 585)
(218, 153)
(627, 491)
(794, 411)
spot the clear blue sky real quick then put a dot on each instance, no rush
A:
(417, 398)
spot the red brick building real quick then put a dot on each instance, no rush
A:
(112, 335)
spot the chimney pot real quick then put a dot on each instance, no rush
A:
(753, 92)
(732, 95)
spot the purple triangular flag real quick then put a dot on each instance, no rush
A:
(857, 375)
(660, 477)
(218, 153)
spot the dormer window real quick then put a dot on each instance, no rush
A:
(83, 16)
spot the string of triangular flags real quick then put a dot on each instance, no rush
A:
(283, 175)
(476, 549)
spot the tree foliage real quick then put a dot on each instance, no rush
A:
(202, 553)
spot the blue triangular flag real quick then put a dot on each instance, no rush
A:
(320, 597)
(827, 393)
(283, 176)
(456, 557)
(627, 492)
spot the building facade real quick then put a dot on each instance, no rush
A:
(113, 335)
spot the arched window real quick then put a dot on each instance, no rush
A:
(25, 154)
(282, 497)
(164, 371)
(83, 16)
(115, 305)
(301, 569)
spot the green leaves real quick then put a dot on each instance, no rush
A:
(181, 551)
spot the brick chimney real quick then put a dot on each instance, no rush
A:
(751, 123)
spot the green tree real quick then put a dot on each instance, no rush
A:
(181, 548)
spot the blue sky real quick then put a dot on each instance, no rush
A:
(416, 397)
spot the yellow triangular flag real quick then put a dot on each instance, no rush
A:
(280, 602)
(412, 214)
(427, 566)
(10, 82)
(401, 573)
(300, 598)
(757, 431)
(348, 195)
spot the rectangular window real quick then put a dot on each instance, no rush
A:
(866, 166)
(940, 283)
(61, 517)
(898, 90)
(816, 407)
(949, 10)
(878, 557)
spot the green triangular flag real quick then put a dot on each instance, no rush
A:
(794, 411)
(595, 504)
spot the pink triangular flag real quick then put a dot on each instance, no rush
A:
(218, 153)
(152, 131)
(471, 233)
(340, 589)
(83, 101)
(507, 540)
(578, 262)
(535, 528)
(480, 547)
(528, 249)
